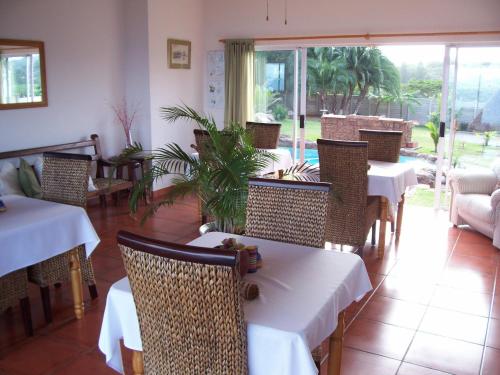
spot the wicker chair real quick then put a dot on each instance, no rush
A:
(264, 135)
(64, 180)
(352, 212)
(287, 211)
(14, 290)
(383, 145)
(189, 306)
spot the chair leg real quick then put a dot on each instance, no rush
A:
(47, 309)
(374, 232)
(26, 313)
(392, 226)
(93, 291)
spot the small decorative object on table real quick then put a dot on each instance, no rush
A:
(249, 291)
(2, 206)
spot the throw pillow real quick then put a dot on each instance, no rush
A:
(38, 166)
(28, 180)
(9, 183)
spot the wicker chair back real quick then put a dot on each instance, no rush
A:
(189, 306)
(287, 211)
(383, 145)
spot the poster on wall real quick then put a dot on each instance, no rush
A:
(215, 84)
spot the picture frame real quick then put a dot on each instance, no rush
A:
(179, 54)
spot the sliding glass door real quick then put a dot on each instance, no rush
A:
(276, 93)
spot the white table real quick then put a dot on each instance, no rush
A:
(34, 230)
(302, 292)
(390, 181)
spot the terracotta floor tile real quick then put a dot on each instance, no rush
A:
(444, 354)
(393, 311)
(406, 289)
(455, 325)
(84, 365)
(479, 250)
(491, 362)
(467, 279)
(410, 369)
(470, 263)
(378, 338)
(471, 236)
(495, 313)
(462, 301)
(38, 356)
(84, 332)
(493, 339)
(356, 362)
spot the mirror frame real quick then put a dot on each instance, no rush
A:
(43, 81)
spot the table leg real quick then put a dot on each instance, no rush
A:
(76, 283)
(400, 216)
(383, 221)
(336, 343)
(137, 363)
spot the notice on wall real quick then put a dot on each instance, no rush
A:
(215, 83)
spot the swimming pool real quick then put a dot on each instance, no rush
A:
(311, 156)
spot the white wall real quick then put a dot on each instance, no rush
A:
(178, 20)
(84, 47)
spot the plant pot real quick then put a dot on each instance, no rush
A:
(207, 227)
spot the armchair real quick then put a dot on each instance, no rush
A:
(475, 200)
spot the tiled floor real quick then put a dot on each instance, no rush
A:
(435, 307)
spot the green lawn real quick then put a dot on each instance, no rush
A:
(464, 152)
(423, 197)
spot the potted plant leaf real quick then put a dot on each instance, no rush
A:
(219, 179)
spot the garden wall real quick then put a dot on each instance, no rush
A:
(347, 127)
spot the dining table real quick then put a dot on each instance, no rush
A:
(303, 293)
(390, 181)
(34, 230)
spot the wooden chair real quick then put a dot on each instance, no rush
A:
(352, 212)
(383, 145)
(287, 211)
(264, 135)
(64, 180)
(14, 290)
(189, 307)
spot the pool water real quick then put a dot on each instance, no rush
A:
(311, 156)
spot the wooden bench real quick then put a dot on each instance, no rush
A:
(104, 185)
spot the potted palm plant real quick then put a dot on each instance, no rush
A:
(219, 179)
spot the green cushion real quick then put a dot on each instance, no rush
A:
(28, 181)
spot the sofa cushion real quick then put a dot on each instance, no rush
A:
(9, 182)
(28, 181)
(477, 206)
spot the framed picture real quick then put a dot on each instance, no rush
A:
(179, 54)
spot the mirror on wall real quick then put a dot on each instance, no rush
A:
(22, 74)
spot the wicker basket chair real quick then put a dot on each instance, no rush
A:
(352, 212)
(189, 306)
(383, 145)
(64, 180)
(264, 134)
(14, 290)
(287, 211)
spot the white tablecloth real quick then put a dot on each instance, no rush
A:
(302, 290)
(390, 180)
(284, 160)
(33, 230)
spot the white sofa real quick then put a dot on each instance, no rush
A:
(475, 200)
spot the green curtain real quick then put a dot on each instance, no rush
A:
(239, 81)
